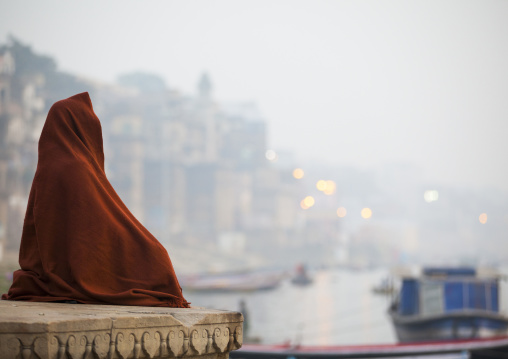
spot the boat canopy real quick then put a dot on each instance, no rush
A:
(460, 271)
(430, 296)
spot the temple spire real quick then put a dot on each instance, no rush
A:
(205, 86)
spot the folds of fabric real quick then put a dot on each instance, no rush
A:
(79, 241)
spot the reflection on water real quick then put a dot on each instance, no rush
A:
(338, 308)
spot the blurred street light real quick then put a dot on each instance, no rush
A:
(271, 155)
(431, 196)
(298, 173)
(307, 202)
(341, 212)
(366, 213)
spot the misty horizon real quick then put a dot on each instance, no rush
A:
(360, 84)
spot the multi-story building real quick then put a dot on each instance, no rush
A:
(196, 171)
(21, 120)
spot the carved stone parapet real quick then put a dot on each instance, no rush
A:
(79, 331)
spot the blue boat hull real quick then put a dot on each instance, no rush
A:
(451, 326)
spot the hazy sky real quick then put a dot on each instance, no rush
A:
(350, 82)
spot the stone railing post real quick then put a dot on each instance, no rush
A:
(31, 330)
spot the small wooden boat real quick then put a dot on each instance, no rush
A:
(301, 277)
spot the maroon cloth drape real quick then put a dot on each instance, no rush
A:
(79, 241)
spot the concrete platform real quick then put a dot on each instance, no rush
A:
(31, 330)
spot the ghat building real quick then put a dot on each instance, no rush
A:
(195, 171)
(21, 119)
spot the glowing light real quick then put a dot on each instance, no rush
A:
(330, 188)
(321, 185)
(309, 201)
(341, 212)
(327, 187)
(431, 196)
(483, 218)
(298, 173)
(366, 213)
(303, 205)
(271, 155)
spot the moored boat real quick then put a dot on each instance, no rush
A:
(385, 287)
(232, 282)
(456, 349)
(448, 304)
(301, 277)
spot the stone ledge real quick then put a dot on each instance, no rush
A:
(31, 330)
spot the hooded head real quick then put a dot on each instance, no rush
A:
(72, 129)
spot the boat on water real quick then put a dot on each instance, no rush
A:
(231, 282)
(385, 287)
(456, 349)
(448, 304)
(301, 277)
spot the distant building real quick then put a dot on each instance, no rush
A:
(21, 120)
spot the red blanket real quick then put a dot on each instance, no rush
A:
(80, 242)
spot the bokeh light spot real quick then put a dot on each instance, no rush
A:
(341, 212)
(271, 155)
(321, 185)
(483, 218)
(298, 173)
(329, 188)
(431, 196)
(309, 201)
(366, 213)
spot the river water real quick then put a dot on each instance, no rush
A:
(338, 308)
